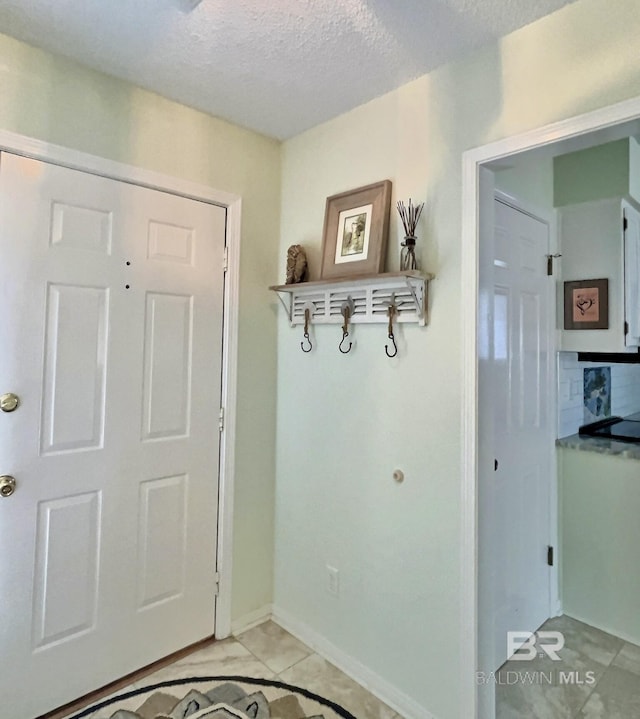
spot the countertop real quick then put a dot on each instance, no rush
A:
(628, 450)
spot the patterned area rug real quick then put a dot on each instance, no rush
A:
(216, 698)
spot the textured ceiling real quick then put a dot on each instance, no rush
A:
(275, 66)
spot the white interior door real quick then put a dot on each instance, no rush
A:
(112, 330)
(515, 430)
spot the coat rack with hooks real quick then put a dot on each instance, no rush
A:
(321, 302)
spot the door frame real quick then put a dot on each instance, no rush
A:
(93, 164)
(574, 127)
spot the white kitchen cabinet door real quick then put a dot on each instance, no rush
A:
(592, 247)
(631, 274)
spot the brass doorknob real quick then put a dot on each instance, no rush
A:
(9, 402)
(7, 485)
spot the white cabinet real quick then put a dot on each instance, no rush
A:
(601, 239)
(631, 274)
(599, 507)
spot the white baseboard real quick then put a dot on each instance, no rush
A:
(632, 639)
(252, 619)
(379, 687)
(557, 608)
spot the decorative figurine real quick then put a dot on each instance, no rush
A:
(297, 268)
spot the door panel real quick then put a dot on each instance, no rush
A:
(113, 299)
(532, 390)
(81, 228)
(170, 243)
(75, 356)
(66, 573)
(163, 544)
(167, 350)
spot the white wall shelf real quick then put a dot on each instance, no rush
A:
(371, 296)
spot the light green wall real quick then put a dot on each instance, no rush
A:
(346, 422)
(52, 99)
(600, 501)
(530, 180)
(634, 168)
(592, 174)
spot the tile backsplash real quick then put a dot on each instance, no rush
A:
(622, 396)
(597, 393)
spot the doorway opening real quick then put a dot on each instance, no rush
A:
(513, 159)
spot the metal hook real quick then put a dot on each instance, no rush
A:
(345, 331)
(347, 310)
(395, 348)
(392, 312)
(307, 317)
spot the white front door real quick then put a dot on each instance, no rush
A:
(111, 332)
(515, 428)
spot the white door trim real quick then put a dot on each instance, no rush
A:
(74, 159)
(520, 205)
(471, 160)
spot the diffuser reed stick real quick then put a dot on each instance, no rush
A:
(409, 214)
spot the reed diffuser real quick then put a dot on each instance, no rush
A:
(409, 214)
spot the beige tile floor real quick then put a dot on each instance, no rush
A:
(614, 692)
(268, 651)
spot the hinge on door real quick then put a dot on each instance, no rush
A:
(550, 259)
(225, 260)
(626, 328)
(216, 579)
(625, 222)
(550, 556)
(221, 419)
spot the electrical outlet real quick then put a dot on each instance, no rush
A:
(333, 581)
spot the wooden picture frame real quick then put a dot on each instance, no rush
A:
(356, 230)
(586, 305)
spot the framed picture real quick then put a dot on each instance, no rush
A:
(586, 305)
(356, 229)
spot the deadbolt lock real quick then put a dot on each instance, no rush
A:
(7, 485)
(9, 402)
